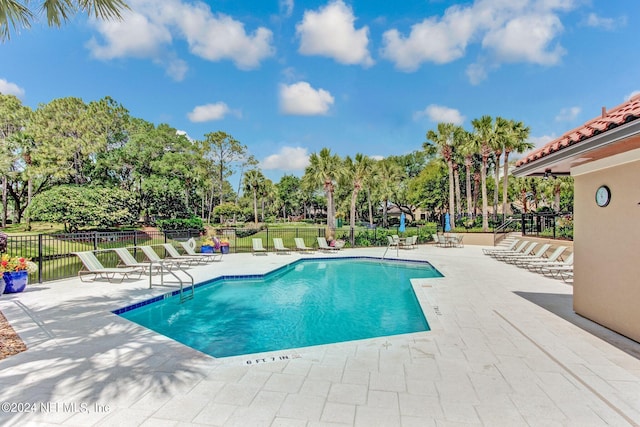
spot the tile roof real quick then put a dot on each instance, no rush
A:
(623, 113)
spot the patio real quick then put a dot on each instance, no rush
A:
(505, 348)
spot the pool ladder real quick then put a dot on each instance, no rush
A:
(184, 296)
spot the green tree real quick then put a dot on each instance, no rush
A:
(223, 152)
(82, 206)
(357, 173)
(288, 190)
(515, 141)
(324, 171)
(484, 135)
(14, 146)
(254, 180)
(389, 175)
(444, 139)
(20, 14)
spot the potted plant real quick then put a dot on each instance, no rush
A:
(207, 245)
(224, 245)
(15, 272)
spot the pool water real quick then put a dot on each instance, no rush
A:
(309, 302)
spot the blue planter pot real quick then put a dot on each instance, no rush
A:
(15, 281)
(206, 249)
(224, 249)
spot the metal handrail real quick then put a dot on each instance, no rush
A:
(183, 298)
(501, 230)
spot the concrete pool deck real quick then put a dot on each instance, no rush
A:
(505, 349)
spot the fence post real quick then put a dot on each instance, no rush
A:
(40, 264)
(267, 238)
(95, 240)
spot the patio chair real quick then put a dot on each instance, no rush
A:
(525, 249)
(509, 247)
(538, 255)
(93, 266)
(555, 269)
(324, 246)
(129, 260)
(436, 240)
(153, 256)
(207, 256)
(257, 247)
(172, 253)
(516, 246)
(557, 253)
(301, 246)
(279, 246)
(409, 242)
(537, 265)
(455, 240)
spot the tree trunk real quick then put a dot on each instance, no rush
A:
(468, 189)
(483, 187)
(496, 186)
(505, 184)
(452, 207)
(255, 206)
(4, 201)
(456, 180)
(370, 207)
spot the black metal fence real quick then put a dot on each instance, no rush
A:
(53, 253)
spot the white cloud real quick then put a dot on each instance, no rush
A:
(331, 32)
(286, 7)
(440, 114)
(507, 30)
(150, 28)
(568, 114)
(476, 73)
(209, 112)
(377, 157)
(527, 39)
(596, 21)
(541, 141)
(435, 40)
(8, 88)
(303, 100)
(288, 159)
(626, 98)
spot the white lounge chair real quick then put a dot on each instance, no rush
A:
(301, 246)
(538, 265)
(153, 256)
(279, 246)
(555, 270)
(129, 260)
(172, 253)
(93, 266)
(509, 247)
(324, 246)
(557, 253)
(538, 255)
(526, 251)
(207, 256)
(519, 248)
(257, 247)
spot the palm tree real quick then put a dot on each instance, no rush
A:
(467, 150)
(388, 174)
(484, 133)
(324, 170)
(357, 172)
(502, 128)
(253, 181)
(444, 140)
(18, 14)
(516, 141)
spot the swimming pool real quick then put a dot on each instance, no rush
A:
(308, 302)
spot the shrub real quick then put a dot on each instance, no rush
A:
(193, 223)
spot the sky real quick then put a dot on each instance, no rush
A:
(287, 78)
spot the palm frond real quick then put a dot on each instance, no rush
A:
(13, 14)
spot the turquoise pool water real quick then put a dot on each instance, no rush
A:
(309, 302)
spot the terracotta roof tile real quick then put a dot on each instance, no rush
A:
(623, 113)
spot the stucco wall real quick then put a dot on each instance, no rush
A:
(607, 244)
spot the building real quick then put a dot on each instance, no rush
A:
(603, 156)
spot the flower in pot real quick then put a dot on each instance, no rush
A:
(15, 272)
(207, 245)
